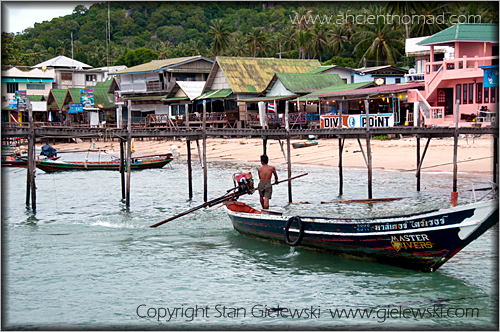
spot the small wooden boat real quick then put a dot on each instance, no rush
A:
(144, 162)
(304, 144)
(422, 241)
(17, 161)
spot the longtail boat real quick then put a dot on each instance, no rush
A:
(421, 241)
(143, 162)
(304, 144)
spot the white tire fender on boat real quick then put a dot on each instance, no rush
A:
(300, 236)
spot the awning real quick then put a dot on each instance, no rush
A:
(26, 80)
(221, 93)
(175, 99)
(144, 97)
(257, 99)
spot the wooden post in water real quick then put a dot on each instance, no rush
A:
(264, 145)
(122, 166)
(341, 175)
(455, 148)
(205, 177)
(129, 152)
(190, 170)
(418, 162)
(289, 165)
(368, 148)
(30, 179)
(495, 150)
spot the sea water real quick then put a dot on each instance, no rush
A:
(86, 261)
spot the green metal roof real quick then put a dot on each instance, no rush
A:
(35, 97)
(157, 65)
(271, 98)
(252, 75)
(335, 88)
(101, 96)
(320, 69)
(175, 98)
(59, 95)
(222, 93)
(75, 94)
(144, 97)
(464, 32)
(305, 83)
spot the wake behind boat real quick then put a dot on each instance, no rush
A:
(143, 162)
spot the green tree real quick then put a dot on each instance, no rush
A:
(220, 33)
(319, 40)
(378, 42)
(256, 41)
(137, 57)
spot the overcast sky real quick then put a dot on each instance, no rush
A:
(19, 15)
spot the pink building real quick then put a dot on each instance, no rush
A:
(458, 82)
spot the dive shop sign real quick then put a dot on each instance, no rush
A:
(383, 120)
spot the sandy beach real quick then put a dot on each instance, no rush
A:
(475, 154)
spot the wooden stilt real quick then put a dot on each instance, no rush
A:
(129, 152)
(30, 180)
(455, 148)
(418, 162)
(283, 150)
(264, 145)
(368, 148)
(190, 170)
(199, 153)
(205, 176)
(341, 175)
(289, 164)
(122, 166)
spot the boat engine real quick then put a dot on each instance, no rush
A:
(243, 183)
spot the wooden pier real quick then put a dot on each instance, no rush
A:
(125, 137)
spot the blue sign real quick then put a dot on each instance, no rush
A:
(490, 77)
(12, 104)
(75, 108)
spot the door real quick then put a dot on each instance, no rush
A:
(448, 109)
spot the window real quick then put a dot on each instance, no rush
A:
(458, 90)
(90, 78)
(465, 94)
(12, 87)
(471, 93)
(441, 96)
(66, 76)
(398, 80)
(35, 86)
(175, 110)
(493, 95)
(486, 95)
(479, 89)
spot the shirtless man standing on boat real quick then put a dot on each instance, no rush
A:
(265, 187)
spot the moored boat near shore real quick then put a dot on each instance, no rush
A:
(144, 162)
(422, 241)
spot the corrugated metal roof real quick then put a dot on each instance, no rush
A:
(464, 32)
(257, 99)
(254, 74)
(191, 88)
(62, 61)
(175, 98)
(156, 65)
(58, 95)
(27, 80)
(389, 88)
(222, 93)
(101, 96)
(304, 83)
(35, 97)
(320, 69)
(335, 88)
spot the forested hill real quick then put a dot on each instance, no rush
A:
(340, 32)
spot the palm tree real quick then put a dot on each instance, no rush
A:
(431, 24)
(165, 50)
(378, 42)
(220, 33)
(62, 47)
(338, 39)
(318, 39)
(303, 41)
(302, 16)
(256, 40)
(238, 45)
(403, 8)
